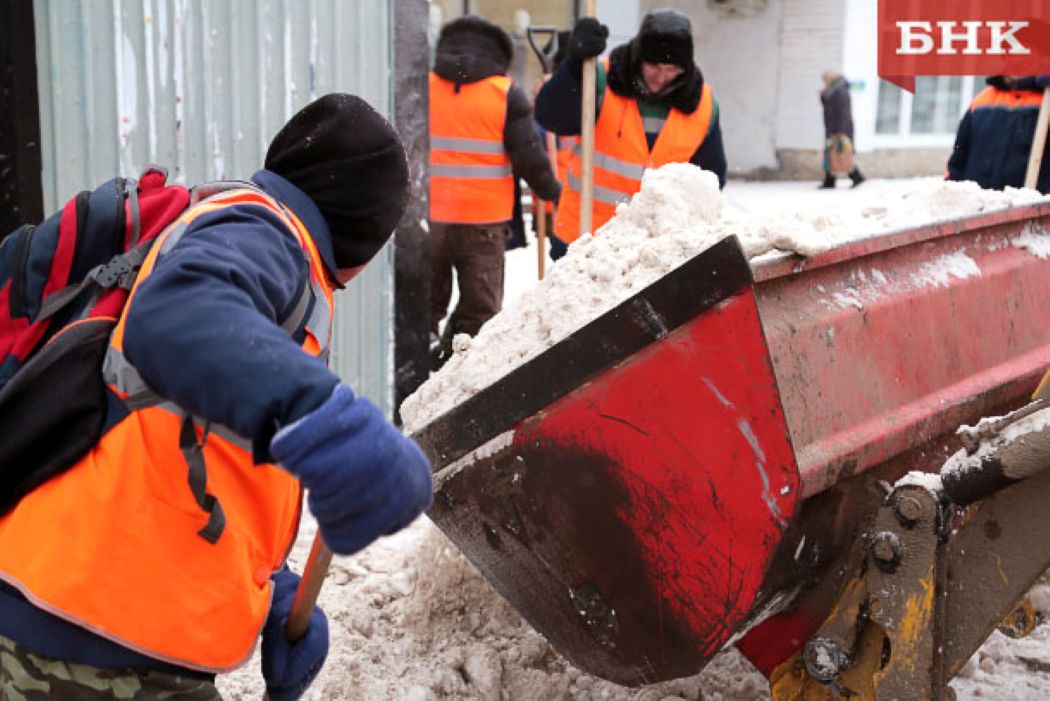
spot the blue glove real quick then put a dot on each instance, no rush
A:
(364, 478)
(288, 668)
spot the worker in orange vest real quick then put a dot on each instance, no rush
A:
(157, 560)
(994, 139)
(653, 107)
(481, 138)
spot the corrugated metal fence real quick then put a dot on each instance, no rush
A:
(201, 86)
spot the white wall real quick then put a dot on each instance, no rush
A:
(201, 87)
(738, 54)
(812, 39)
(861, 64)
(621, 17)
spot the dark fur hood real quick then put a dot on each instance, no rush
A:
(664, 37)
(470, 49)
(1028, 82)
(625, 79)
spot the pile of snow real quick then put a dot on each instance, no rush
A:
(679, 212)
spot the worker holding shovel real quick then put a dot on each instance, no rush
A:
(653, 108)
(157, 560)
(481, 138)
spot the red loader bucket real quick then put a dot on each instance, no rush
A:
(626, 489)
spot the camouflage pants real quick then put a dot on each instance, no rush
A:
(26, 676)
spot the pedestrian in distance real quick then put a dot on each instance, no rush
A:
(838, 131)
(993, 143)
(653, 107)
(481, 138)
(158, 559)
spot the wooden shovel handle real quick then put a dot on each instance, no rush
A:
(307, 592)
(590, 67)
(309, 588)
(1035, 158)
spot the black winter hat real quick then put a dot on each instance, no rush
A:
(470, 36)
(349, 161)
(666, 36)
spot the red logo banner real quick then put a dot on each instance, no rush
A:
(962, 37)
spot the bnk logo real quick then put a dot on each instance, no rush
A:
(947, 37)
(917, 38)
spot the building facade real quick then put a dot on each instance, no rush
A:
(764, 59)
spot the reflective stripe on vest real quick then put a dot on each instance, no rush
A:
(471, 178)
(622, 155)
(114, 543)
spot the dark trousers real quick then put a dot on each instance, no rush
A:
(475, 253)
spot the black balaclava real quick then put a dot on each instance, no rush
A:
(666, 36)
(349, 161)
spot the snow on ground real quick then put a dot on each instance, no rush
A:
(412, 620)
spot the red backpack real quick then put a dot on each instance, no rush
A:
(63, 284)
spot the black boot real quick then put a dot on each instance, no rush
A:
(829, 182)
(856, 177)
(440, 348)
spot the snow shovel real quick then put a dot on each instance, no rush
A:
(545, 54)
(1035, 158)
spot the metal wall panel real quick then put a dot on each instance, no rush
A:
(201, 86)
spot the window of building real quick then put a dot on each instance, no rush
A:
(931, 114)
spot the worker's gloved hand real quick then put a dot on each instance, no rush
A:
(587, 40)
(363, 478)
(288, 668)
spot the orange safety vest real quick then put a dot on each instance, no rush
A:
(471, 178)
(1007, 99)
(621, 156)
(119, 544)
(564, 152)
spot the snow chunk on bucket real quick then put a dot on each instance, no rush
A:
(673, 198)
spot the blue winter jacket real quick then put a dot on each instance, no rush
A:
(994, 139)
(204, 331)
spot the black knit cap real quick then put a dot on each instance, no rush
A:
(466, 39)
(666, 36)
(349, 161)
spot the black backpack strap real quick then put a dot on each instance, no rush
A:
(120, 270)
(193, 452)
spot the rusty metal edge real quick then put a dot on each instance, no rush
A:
(795, 264)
